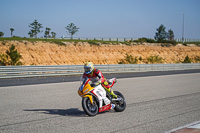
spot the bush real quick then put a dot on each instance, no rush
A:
(93, 43)
(4, 43)
(173, 42)
(129, 59)
(4, 60)
(187, 60)
(11, 57)
(154, 59)
(140, 58)
(166, 45)
(141, 40)
(58, 42)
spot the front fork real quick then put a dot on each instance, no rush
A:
(90, 97)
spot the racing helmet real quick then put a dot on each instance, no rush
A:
(88, 67)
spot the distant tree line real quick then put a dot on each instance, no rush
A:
(36, 28)
(161, 36)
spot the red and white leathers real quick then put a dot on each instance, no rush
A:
(97, 78)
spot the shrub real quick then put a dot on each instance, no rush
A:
(59, 43)
(173, 42)
(140, 58)
(166, 45)
(154, 59)
(11, 57)
(141, 40)
(4, 43)
(187, 59)
(4, 60)
(126, 43)
(184, 44)
(93, 43)
(129, 59)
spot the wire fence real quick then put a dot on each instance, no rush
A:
(62, 70)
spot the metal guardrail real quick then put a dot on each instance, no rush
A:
(58, 70)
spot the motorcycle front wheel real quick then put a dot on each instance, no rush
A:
(90, 109)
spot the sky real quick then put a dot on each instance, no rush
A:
(102, 18)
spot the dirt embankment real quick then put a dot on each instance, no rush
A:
(44, 53)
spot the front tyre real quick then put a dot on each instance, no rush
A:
(120, 105)
(90, 109)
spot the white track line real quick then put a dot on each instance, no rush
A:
(197, 126)
(197, 123)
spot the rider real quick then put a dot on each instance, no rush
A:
(97, 77)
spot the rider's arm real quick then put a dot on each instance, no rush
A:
(100, 76)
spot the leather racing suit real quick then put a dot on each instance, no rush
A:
(97, 78)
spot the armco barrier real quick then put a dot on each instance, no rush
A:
(35, 71)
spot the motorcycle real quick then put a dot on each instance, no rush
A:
(95, 99)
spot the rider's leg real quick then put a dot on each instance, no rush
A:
(108, 89)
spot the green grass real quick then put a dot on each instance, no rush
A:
(32, 39)
(60, 41)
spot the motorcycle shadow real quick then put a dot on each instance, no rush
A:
(75, 112)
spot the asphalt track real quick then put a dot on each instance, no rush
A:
(155, 104)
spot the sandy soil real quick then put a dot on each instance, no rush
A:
(43, 53)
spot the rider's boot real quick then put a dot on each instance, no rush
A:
(113, 94)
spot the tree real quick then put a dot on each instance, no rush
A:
(161, 34)
(170, 35)
(35, 28)
(11, 57)
(14, 56)
(72, 29)
(1, 34)
(31, 33)
(47, 31)
(53, 35)
(11, 30)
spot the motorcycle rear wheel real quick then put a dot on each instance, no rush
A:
(90, 109)
(121, 105)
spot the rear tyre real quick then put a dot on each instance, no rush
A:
(90, 109)
(120, 105)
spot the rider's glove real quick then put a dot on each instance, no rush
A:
(97, 83)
